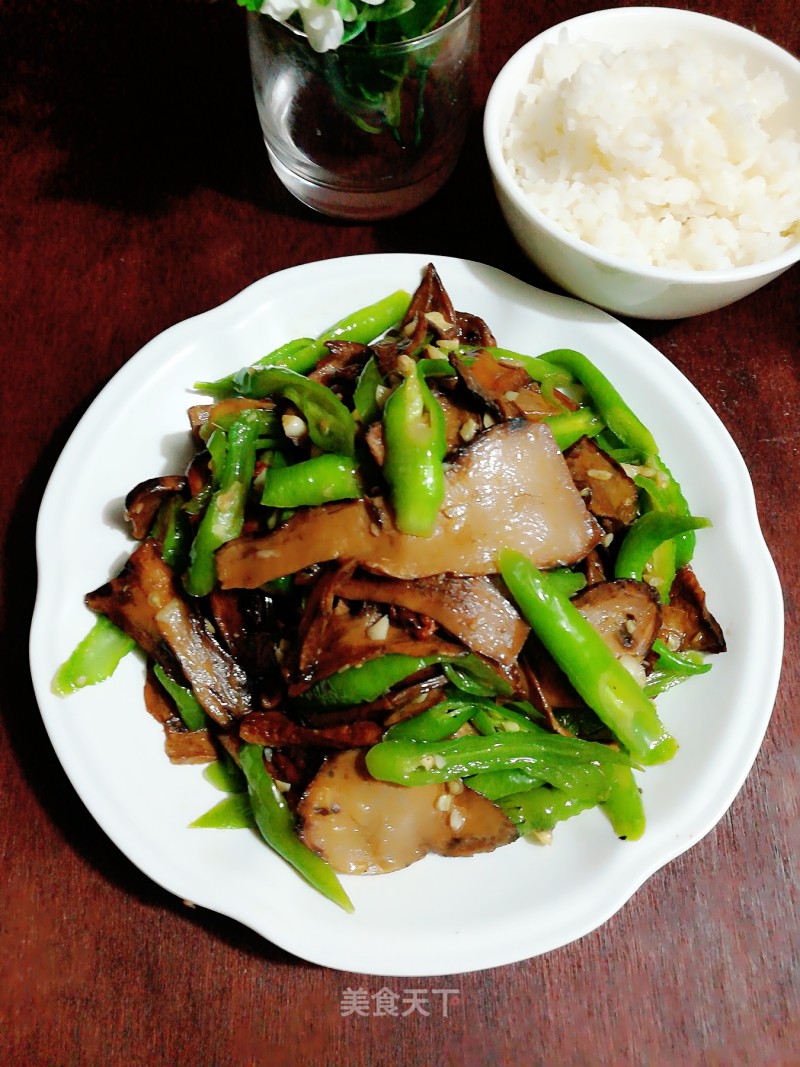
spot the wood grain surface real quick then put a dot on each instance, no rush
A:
(136, 192)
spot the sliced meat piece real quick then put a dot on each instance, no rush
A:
(626, 614)
(609, 492)
(363, 826)
(471, 609)
(147, 604)
(510, 488)
(687, 624)
(144, 500)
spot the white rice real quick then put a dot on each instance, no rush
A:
(665, 156)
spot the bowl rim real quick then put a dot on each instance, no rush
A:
(508, 78)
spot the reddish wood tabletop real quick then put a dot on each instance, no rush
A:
(136, 193)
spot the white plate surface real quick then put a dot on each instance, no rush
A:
(440, 916)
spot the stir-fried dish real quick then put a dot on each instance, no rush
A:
(414, 593)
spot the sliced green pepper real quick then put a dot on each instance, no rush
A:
(644, 539)
(663, 493)
(435, 723)
(94, 659)
(537, 811)
(330, 424)
(232, 813)
(605, 400)
(365, 396)
(191, 713)
(623, 805)
(414, 437)
(572, 425)
(496, 784)
(276, 824)
(422, 762)
(224, 515)
(318, 480)
(365, 683)
(283, 356)
(591, 667)
(303, 354)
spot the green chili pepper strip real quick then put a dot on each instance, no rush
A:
(171, 530)
(587, 661)
(233, 813)
(569, 582)
(605, 400)
(623, 805)
(330, 424)
(540, 810)
(277, 826)
(679, 662)
(585, 780)
(192, 715)
(365, 396)
(361, 327)
(94, 659)
(435, 723)
(572, 425)
(414, 437)
(644, 538)
(663, 493)
(365, 683)
(284, 356)
(313, 481)
(423, 762)
(224, 515)
(225, 775)
(303, 354)
(475, 677)
(496, 784)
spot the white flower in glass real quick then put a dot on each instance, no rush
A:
(323, 20)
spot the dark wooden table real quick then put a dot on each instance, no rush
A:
(136, 192)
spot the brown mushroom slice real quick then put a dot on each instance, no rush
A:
(472, 609)
(687, 624)
(145, 602)
(609, 492)
(626, 614)
(363, 826)
(273, 729)
(144, 500)
(510, 488)
(506, 388)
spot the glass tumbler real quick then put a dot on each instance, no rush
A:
(367, 131)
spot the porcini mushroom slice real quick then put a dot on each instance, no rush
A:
(144, 500)
(510, 488)
(472, 609)
(626, 614)
(363, 826)
(609, 492)
(687, 624)
(145, 602)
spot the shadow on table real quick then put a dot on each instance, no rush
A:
(143, 101)
(36, 757)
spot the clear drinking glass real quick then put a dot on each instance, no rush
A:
(365, 131)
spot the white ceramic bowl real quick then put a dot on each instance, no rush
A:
(580, 268)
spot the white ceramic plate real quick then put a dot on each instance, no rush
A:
(440, 916)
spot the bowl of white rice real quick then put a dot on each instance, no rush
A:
(648, 159)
